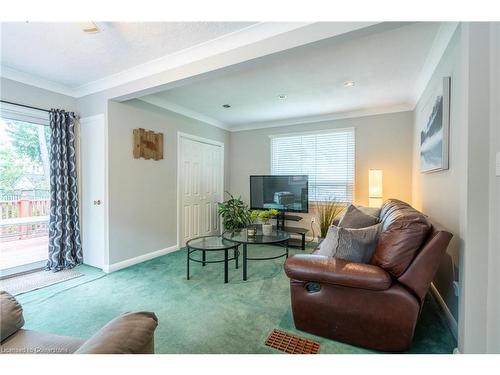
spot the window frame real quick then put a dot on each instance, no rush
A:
(318, 132)
(20, 113)
(33, 116)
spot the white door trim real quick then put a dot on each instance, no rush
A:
(202, 140)
(102, 117)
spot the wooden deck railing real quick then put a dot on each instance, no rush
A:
(23, 217)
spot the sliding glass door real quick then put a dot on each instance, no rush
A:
(24, 192)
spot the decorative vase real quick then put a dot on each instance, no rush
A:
(267, 229)
(251, 231)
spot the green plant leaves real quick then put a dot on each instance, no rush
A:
(234, 212)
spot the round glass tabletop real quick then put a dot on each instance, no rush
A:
(241, 236)
(210, 243)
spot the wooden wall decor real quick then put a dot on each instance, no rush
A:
(148, 144)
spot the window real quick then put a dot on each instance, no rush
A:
(327, 157)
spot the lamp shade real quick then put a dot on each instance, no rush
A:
(375, 191)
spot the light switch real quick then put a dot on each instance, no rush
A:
(497, 169)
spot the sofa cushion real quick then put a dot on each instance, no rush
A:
(393, 210)
(355, 245)
(355, 218)
(130, 333)
(33, 342)
(317, 268)
(404, 229)
(11, 313)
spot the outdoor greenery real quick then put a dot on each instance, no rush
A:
(327, 210)
(234, 212)
(24, 150)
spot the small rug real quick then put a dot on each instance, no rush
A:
(291, 344)
(35, 280)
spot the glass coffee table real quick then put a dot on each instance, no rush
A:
(241, 237)
(212, 243)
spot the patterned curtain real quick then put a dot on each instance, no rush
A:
(65, 250)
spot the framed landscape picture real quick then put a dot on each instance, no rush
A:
(435, 130)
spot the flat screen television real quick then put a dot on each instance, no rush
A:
(285, 193)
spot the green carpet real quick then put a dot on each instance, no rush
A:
(202, 315)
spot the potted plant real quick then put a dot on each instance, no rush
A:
(234, 212)
(251, 229)
(327, 210)
(266, 216)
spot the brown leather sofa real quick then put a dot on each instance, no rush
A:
(130, 333)
(372, 305)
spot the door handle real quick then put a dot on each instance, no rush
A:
(97, 202)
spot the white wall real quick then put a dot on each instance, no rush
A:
(493, 331)
(474, 301)
(21, 93)
(439, 194)
(465, 199)
(382, 142)
(143, 193)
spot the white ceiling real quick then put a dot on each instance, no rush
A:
(62, 53)
(385, 61)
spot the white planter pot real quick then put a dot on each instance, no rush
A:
(267, 229)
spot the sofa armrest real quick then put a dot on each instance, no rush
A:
(130, 333)
(322, 269)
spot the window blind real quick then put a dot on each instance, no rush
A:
(326, 157)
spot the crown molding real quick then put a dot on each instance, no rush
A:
(436, 52)
(162, 103)
(321, 118)
(28, 79)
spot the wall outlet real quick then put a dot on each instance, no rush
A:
(313, 220)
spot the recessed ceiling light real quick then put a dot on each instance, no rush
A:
(282, 96)
(89, 27)
(226, 106)
(349, 84)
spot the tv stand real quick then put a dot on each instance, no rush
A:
(301, 232)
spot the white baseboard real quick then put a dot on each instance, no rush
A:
(452, 323)
(141, 258)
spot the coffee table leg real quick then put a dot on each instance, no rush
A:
(244, 261)
(188, 263)
(204, 258)
(225, 265)
(236, 256)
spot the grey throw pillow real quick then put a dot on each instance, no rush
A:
(355, 245)
(355, 218)
(11, 315)
(373, 211)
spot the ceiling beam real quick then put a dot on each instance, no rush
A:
(254, 41)
(162, 103)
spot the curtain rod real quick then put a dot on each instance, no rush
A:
(26, 106)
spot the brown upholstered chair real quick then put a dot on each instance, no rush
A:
(370, 305)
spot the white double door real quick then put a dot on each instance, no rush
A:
(201, 176)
